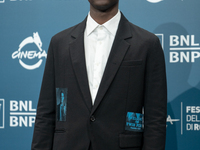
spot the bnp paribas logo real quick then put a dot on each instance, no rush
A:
(2, 1)
(154, 1)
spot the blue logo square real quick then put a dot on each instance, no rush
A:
(134, 122)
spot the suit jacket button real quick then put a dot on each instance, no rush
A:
(92, 118)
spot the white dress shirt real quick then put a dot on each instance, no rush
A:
(98, 40)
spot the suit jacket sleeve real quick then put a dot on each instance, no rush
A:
(155, 102)
(45, 118)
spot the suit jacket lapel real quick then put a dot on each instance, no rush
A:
(118, 51)
(78, 61)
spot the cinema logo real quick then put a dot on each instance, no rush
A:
(34, 52)
(22, 113)
(183, 48)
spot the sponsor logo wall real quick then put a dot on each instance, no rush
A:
(26, 29)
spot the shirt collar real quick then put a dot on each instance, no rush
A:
(111, 25)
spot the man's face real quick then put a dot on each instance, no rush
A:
(103, 5)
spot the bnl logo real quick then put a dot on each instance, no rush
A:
(2, 1)
(2, 113)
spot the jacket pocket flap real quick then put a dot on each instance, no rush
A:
(128, 140)
(131, 63)
(60, 130)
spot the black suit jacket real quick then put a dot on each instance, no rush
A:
(134, 78)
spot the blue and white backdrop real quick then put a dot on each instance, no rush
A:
(26, 27)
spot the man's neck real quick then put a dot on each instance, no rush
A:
(102, 16)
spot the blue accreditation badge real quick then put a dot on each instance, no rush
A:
(134, 122)
(61, 104)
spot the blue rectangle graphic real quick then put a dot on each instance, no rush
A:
(134, 122)
(2, 113)
(61, 99)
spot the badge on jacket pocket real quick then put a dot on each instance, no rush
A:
(61, 104)
(134, 122)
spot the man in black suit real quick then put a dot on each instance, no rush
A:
(113, 74)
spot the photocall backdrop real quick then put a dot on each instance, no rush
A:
(26, 27)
